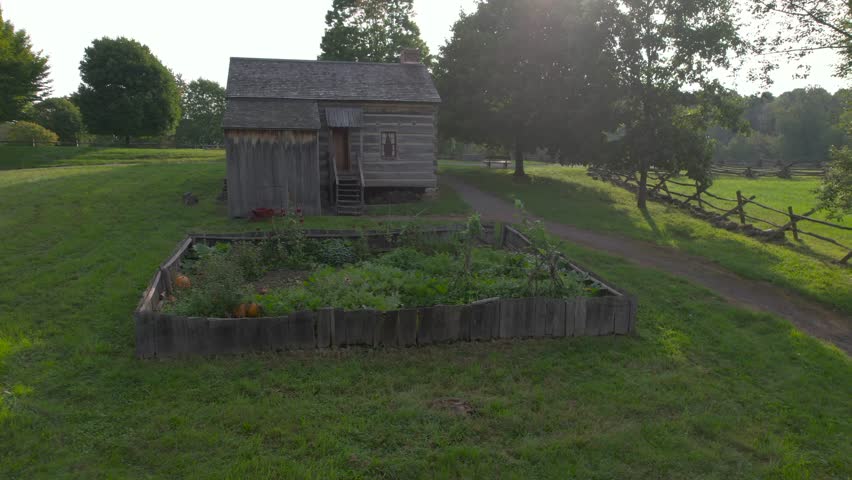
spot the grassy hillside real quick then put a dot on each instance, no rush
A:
(15, 157)
(780, 194)
(568, 195)
(703, 390)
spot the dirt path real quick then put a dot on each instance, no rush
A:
(808, 316)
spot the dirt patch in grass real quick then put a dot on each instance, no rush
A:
(455, 406)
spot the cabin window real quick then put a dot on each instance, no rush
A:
(389, 145)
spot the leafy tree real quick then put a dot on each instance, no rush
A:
(203, 105)
(26, 132)
(371, 31)
(521, 74)
(835, 193)
(58, 115)
(806, 120)
(661, 48)
(126, 90)
(798, 28)
(23, 71)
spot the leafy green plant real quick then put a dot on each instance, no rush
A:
(218, 288)
(335, 252)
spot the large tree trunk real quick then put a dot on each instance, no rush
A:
(519, 160)
(127, 140)
(642, 192)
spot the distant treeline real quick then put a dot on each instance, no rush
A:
(797, 126)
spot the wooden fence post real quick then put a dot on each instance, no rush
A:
(793, 226)
(740, 207)
(698, 195)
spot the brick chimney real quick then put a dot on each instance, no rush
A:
(410, 55)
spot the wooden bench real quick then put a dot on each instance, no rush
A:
(500, 162)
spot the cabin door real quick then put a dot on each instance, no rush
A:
(340, 139)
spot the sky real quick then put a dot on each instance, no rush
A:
(196, 38)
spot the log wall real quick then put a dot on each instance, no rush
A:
(414, 124)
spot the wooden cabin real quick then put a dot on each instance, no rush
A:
(321, 136)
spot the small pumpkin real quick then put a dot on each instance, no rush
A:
(240, 311)
(253, 310)
(182, 281)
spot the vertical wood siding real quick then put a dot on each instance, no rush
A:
(272, 169)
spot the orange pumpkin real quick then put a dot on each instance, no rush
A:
(240, 311)
(182, 281)
(253, 310)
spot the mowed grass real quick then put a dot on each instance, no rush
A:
(704, 390)
(779, 194)
(16, 157)
(568, 195)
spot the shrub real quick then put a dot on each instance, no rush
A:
(335, 252)
(27, 132)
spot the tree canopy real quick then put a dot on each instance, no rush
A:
(203, 105)
(23, 71)
(371, 31)
(126, 90)
(527, 73)
(790, 30)
(58, 115)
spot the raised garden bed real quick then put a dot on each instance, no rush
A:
(160, 332)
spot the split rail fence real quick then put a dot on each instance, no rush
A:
(719, 210)
(788, 171)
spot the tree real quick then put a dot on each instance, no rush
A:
(790, 30)
(522, 74)
(371, 31)
(58, 115)
(807, 123)
(660, 49)
(835, 193)
(203, 105)
(27, 132)
(23, 71)
(126, 90)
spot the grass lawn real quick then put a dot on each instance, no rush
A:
(15, 157)
(568, 195)
(779, 194)
(705, 390)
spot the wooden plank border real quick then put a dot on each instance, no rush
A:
(162, 335)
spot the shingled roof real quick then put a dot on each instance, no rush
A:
(271, 113)
(323, 80)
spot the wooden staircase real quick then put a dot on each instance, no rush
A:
(350, 195)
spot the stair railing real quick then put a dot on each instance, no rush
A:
(334, 178)
(361, 175)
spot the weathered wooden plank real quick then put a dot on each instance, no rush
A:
(446, 323)
(600, 315)
(407, 326)
(552, 314)
(387, 332)
(325, 328)
(405, 149)
(301, 331)
(426, 326)
(515, 318)
(360, 327)
(576, 311)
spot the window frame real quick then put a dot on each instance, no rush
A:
(382, 136)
